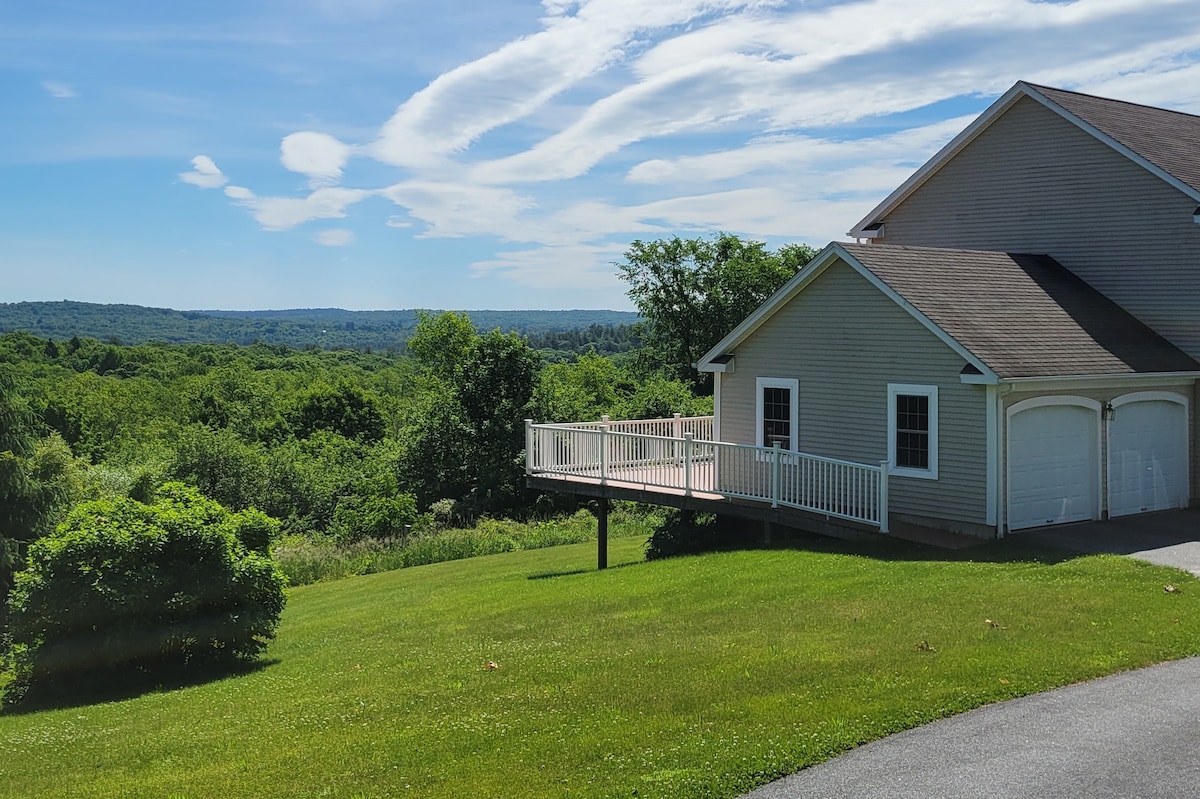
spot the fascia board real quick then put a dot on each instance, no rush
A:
(1052, 382)
(968, 134)
(773, 303)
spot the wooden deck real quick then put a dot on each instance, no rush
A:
(637, 461)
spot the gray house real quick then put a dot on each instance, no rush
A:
(1016, 334)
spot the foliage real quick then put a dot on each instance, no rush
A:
(125, 586)
(308, 560)
(440, 343)
(688, 533)
(692, 292)
(320, 328)
(39, 477)
(689, 677)
(344, 409)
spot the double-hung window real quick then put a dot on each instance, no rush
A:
(913, 430)
(777, 415)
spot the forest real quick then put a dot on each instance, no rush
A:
(307, 328)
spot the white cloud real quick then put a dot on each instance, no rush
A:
(317, 155)
(455, 210)
(285, 213)
(204, 174)
(578, 40)
(59, 90)
(334, 237)
(579, 266)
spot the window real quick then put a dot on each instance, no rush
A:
(777, 412)
(912, 430)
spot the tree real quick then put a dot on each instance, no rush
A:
(344, 409)
(692, 292)
(38, 477)
(440, 343)
(126, 587)
(494, 385)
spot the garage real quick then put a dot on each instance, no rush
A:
(1053, 461)
(1147, 453)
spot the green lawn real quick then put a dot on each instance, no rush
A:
(696, 676)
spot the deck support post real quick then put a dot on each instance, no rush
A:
(602, 534)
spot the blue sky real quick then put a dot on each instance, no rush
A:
(379, 154)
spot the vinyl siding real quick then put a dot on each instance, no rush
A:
(1033, 182)
(844, 341)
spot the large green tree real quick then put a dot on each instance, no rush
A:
(691, 292)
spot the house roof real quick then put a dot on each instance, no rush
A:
(1166, 143)
(1008, 315)
(1021, 315)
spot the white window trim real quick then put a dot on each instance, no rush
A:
(910, 389)
(777, 382)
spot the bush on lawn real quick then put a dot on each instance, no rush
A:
(688, 533)
(127, 587)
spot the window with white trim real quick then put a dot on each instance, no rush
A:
(913, 430)
(777, 414)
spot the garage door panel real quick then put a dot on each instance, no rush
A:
(1147, 457)
(1052, 465)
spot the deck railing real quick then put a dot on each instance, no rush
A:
(669, 454)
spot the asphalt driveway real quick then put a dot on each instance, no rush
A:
(1170, 538)
(1135, 734)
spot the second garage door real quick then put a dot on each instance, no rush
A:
(1053, 464)
(1147, 454)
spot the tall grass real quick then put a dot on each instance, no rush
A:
(308, 560)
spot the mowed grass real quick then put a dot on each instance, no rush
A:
(693, 677)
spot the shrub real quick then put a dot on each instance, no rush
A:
(123, 586)
(687, 533)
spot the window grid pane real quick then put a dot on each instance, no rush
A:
(912, 431)
(777, 417)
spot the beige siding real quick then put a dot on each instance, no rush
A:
(1033, 182)
(844, 340)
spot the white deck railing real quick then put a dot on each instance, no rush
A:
(679, 455)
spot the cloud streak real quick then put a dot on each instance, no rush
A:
(614, 119)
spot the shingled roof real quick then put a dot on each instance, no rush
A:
(1021, 315)
(1168, 139)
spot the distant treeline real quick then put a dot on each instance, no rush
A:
(309, 328)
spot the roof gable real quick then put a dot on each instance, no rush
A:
(827, 257)
(1165, 143)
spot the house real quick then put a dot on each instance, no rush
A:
(1016, 334)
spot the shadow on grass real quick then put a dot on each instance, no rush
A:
(114, 686)
(550, 575)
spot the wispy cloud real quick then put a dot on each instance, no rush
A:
(613, 119)
(285, 213)
(334, 237)
(60, 90)
(204, 174)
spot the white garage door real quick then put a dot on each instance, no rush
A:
(1053, 465)
(1147, 456)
